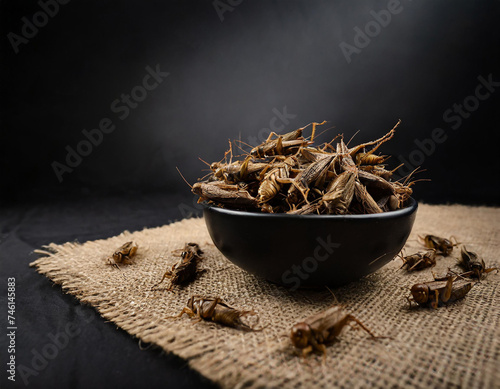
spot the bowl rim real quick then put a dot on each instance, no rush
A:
(408, 210)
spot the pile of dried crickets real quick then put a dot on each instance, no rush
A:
(287, 174)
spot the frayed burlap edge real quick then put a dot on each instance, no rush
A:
(457, 345)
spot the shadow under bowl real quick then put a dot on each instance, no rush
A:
(309, 250)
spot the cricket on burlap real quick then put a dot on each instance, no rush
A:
(456, 345)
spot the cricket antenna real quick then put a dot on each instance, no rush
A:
(336, 301)
(205, 162)
(322, 132)
(352, 137)
(186, 181)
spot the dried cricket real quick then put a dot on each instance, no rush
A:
(310, 154)
(279, 145)
(316, 171)
(375, 184)
(185, 269)
(307, 209)
(379, 170)
(340, 192)
(366, 201)
(214, 309)
(271, 184)
(276, 146)
(370, 159)
(321, 329)
(224, 193)
(473, 264)
(237, 171)
(441, 245)
(420, 260)
(123, 255)
(376, 143)
(436, 293)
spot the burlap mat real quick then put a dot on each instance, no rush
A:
(454, 346)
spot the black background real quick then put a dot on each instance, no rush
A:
(226, 80)
(226, 77)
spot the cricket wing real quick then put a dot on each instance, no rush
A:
(460, 289)
(323, 322)
(436, 285)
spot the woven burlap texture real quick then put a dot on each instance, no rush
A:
(457, 345)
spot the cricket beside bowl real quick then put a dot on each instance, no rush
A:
(309, 250)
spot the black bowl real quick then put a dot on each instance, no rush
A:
(309, 250)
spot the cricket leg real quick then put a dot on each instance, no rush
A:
(269, 138)
(435, 303)
(490, 270)
(306, 351)
(198, 317)
(413, 267)
(211, 308)
(244, 167)
(454, 240)
(279, 145)
(304, 191)
(314, 129)
(377, 142)
(262, 174)
(317, 346)
(170, 287)
(132, 252)
(358, 322)
(446, 294)
(168, 274)
(186, 310)
(126, 260)
(322, 348)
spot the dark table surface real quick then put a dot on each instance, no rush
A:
(97, 354)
